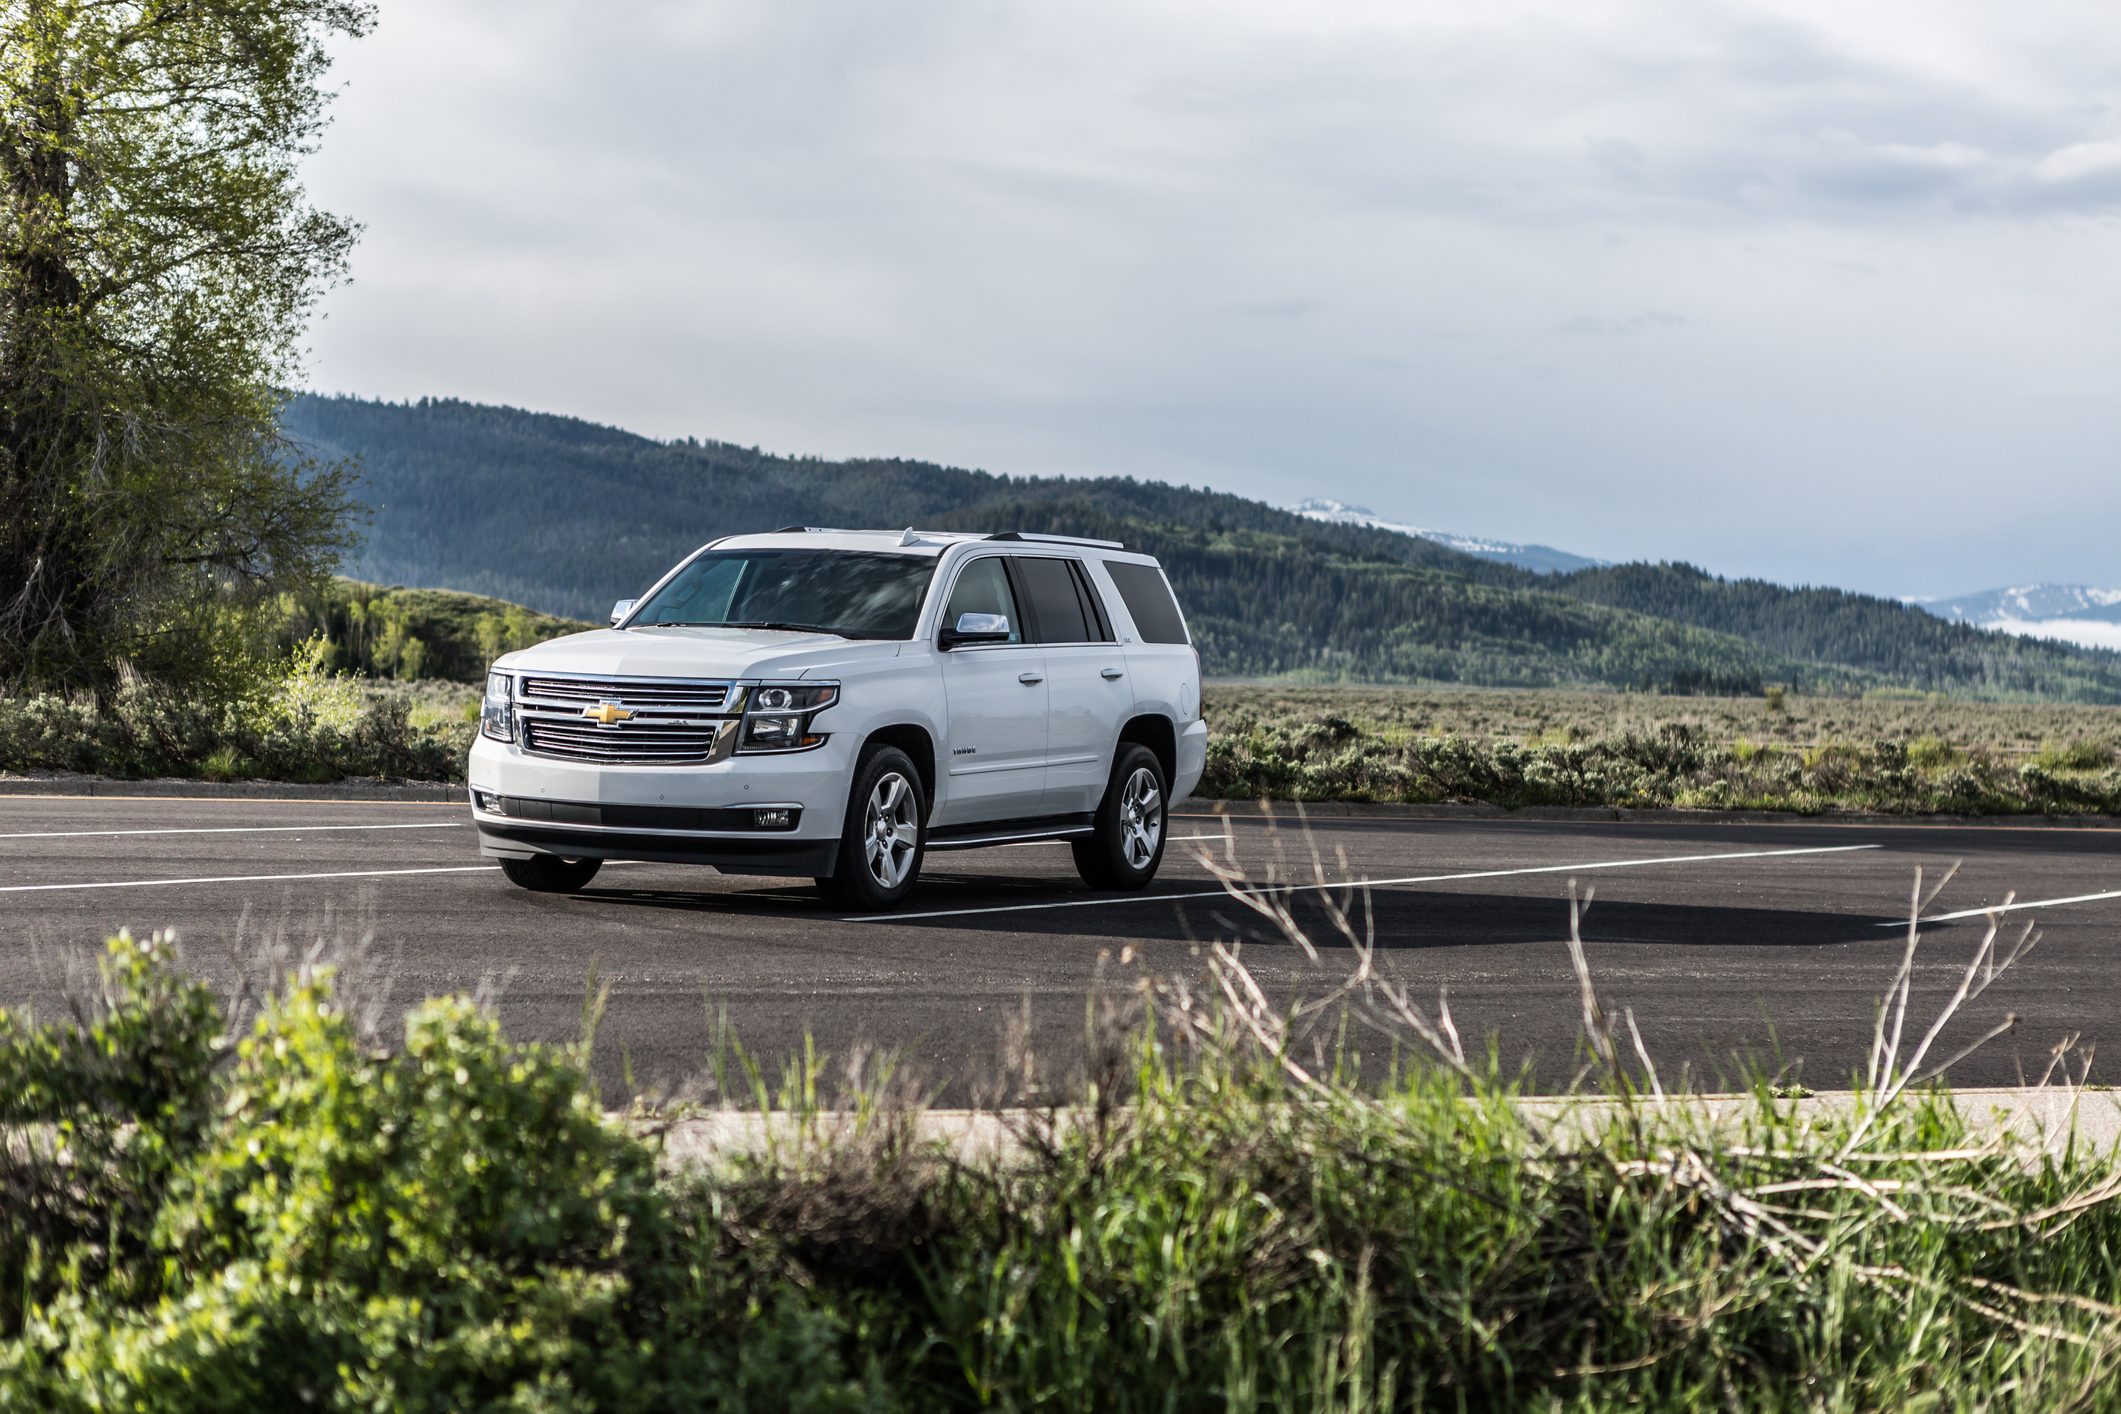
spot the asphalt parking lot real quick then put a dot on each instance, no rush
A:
(1767, 941)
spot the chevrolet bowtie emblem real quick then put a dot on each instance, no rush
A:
(607, 713)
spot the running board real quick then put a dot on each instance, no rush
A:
(1047, 827)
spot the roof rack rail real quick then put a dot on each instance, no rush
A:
(1031, 538)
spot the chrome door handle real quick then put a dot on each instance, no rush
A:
(1111, 674)
(1030, 679)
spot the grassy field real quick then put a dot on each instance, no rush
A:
(1535, 717)
(1524, 748)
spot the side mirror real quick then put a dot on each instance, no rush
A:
(977, 628)
(621, 609)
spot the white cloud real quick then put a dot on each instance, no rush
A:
(1945, 156)
(2087, 633)
(2079, 160)
(1620, 324)
(1291, 249)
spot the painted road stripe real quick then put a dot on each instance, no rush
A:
(246, 879)
(233, 830)
(2006, 908)
(1364, 883)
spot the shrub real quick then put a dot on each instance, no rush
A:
(301, 723)
(2082, 755)
(305, 1219)
(451, 1225)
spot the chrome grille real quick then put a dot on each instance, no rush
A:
(645, 743)
(671, 721)
(640, 694)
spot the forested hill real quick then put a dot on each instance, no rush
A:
(1823, 624)
(566, 516)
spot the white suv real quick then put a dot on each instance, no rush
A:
(834, 704)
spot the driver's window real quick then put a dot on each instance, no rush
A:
(983, 588)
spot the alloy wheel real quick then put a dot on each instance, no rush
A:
(1141, 818)
(891, 831)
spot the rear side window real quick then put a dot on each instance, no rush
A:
(1148, 600)
(1061, 609)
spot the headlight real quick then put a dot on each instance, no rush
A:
(496, 717)
(777, 716)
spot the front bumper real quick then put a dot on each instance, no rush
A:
(697, 814)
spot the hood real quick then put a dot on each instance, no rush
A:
(692, 653)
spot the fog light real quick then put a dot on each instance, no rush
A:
(489, 802)
(773, 819)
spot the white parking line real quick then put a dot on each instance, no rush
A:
(2006, 908)
(245, 879)
(1363, 883)
(234, 830)
(270, 878)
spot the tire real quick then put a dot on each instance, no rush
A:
(1127, 845)
(886, 834)
(550, 874)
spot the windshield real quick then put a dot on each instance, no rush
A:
(853, 594)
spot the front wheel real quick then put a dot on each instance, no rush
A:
(1126, 846)
(885, 835)
(550, 874)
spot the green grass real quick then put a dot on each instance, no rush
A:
(208, 1211)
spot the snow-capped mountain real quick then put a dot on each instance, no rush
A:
(2075, 613)
(1542, 558)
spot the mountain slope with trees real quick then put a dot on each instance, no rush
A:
(566, 516)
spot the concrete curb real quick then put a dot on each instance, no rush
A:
(2044, 1121)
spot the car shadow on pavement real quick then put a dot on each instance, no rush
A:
(1398, 918)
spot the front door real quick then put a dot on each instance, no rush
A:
(994, 762)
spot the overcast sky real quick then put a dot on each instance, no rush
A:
(1827, 292)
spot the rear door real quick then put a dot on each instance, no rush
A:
(1086, 679)
(1161, 663)
(994, 754)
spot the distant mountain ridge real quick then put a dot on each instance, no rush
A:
(565, 516)
(2073, 613)
(1540, 559)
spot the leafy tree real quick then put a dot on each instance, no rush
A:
(158, 260)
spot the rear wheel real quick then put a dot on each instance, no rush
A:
(885, 835)
(1127, 845)
(550, 874)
